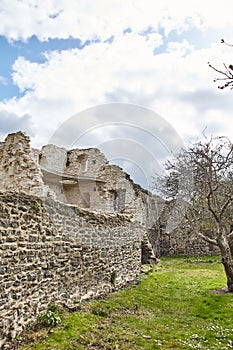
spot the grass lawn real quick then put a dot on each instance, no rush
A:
(173, 307)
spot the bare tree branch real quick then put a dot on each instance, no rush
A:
(223, 42)
(225, 205)
(230, 236)
(226, 75)
(208, 239)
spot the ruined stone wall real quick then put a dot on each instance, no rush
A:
(182, 240)
(53, 158)
(80, 164)
(119, 194)
(85, 162)
(55, 253)
(82, 177)
(84, 195)
(18, 169)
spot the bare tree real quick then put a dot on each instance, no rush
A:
(202, 177)
(226, 74)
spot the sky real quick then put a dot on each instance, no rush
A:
(117, 64)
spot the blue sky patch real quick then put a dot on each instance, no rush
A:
(33, 50)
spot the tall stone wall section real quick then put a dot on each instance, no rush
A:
(53, 158)
(55, 253)
(118, 184)
(19, 170)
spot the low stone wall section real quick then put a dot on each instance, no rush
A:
(55, 253)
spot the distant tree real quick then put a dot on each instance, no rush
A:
(202, 178)
(226, 74)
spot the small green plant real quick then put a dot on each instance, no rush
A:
(37, 208)
(113, 277)
(50, 319)
(149, 271)
(54, 308)
(100, 311)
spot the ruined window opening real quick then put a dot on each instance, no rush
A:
(85, 165)
(86, 199)
(67, 161)
(153, 205)
(83, 161)
(42, 159)
(94, 189)
(119, 201)
(93, 161)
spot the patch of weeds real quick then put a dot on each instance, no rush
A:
(100, 311)
(54, 308)
(223, 336)
(37, 208)
(113, 277)
(50, 318)
(214, 337)
(194, 341)
(202, 260)
(149, 271)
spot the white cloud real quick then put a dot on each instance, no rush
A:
(180, 49)
(76, 79)
(89, 19)
(10, 122)
(179, 87)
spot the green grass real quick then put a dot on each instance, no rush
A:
(173, 307)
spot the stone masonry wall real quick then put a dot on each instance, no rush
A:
(56, 253)
(117, 182)
(182, 240)
(18, 169)
(85, 162)
(53, 158)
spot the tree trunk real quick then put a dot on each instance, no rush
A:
(228, 266)
(227, 260)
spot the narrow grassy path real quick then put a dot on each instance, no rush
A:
(172, 307)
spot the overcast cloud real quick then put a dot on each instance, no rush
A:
(10, 122)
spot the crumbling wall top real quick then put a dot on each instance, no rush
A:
(85, 162)
(53, 158)
(18, 169)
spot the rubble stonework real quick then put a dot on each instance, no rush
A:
(57, 253)
(173, 235)
(18, 170)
